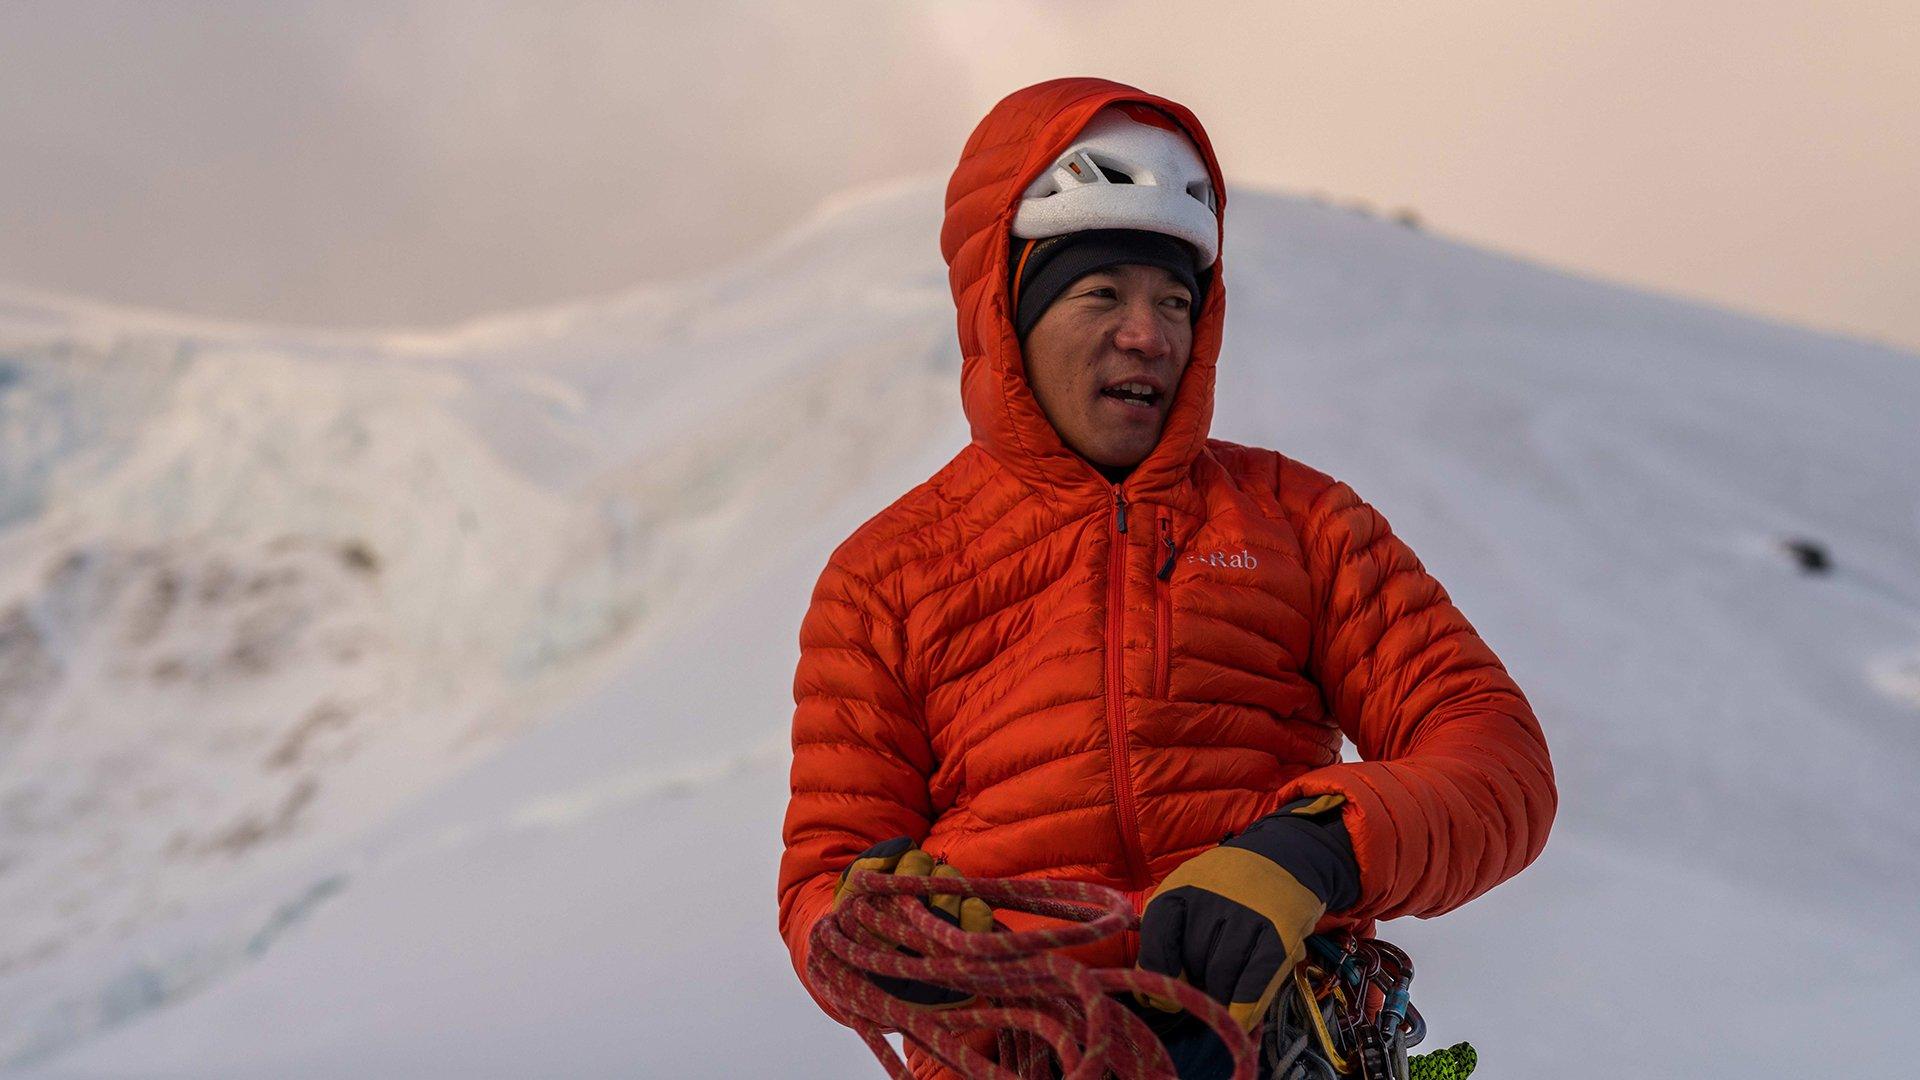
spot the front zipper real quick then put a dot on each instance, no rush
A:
(1116, 693)
(1163, 611)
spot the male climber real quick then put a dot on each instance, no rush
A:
(1098, 645)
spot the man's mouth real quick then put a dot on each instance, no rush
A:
(1140, 395)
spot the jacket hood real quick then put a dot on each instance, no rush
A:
(1018, 140)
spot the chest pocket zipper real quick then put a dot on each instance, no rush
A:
(1163, 610)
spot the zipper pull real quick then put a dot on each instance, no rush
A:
(1166, 537)
(1120, 509)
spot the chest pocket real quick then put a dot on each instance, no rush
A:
(1231, 598)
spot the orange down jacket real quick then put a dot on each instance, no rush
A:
(1035, 672)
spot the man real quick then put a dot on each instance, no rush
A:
(1099, 645)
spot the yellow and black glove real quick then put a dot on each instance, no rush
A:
(972, 914)
(1234, 919)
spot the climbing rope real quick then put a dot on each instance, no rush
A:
(1050, 1012)
(1347, 1015)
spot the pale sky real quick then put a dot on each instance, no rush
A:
(416, 163)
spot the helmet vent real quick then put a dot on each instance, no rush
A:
(1122, 172)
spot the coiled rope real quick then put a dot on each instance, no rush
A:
(1053, 1016)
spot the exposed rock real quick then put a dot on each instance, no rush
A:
(325, 716)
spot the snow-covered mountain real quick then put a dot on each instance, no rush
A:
(415, 705)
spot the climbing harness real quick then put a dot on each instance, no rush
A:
(1345, 1016)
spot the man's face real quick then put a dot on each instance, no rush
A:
(1128, 323)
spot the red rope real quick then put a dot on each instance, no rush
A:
(1046, 1008)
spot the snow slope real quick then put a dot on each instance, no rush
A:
(415, 705)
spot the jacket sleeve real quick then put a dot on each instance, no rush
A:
(1456, 792)
(861, 756)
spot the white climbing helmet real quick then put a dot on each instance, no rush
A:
(1123, 173)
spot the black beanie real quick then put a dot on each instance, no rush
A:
(1041, 273)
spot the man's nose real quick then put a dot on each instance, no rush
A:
(1142, 330)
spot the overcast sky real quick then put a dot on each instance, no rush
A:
(397, 163)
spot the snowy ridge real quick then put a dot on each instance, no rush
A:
(253, 596)
(367, 561)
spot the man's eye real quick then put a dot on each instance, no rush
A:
(1180, 303)
(1105, 292)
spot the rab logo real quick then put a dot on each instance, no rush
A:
(1240, 560)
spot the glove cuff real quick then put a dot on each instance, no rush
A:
(1307, 839)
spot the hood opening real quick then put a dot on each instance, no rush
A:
(1023, 135)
